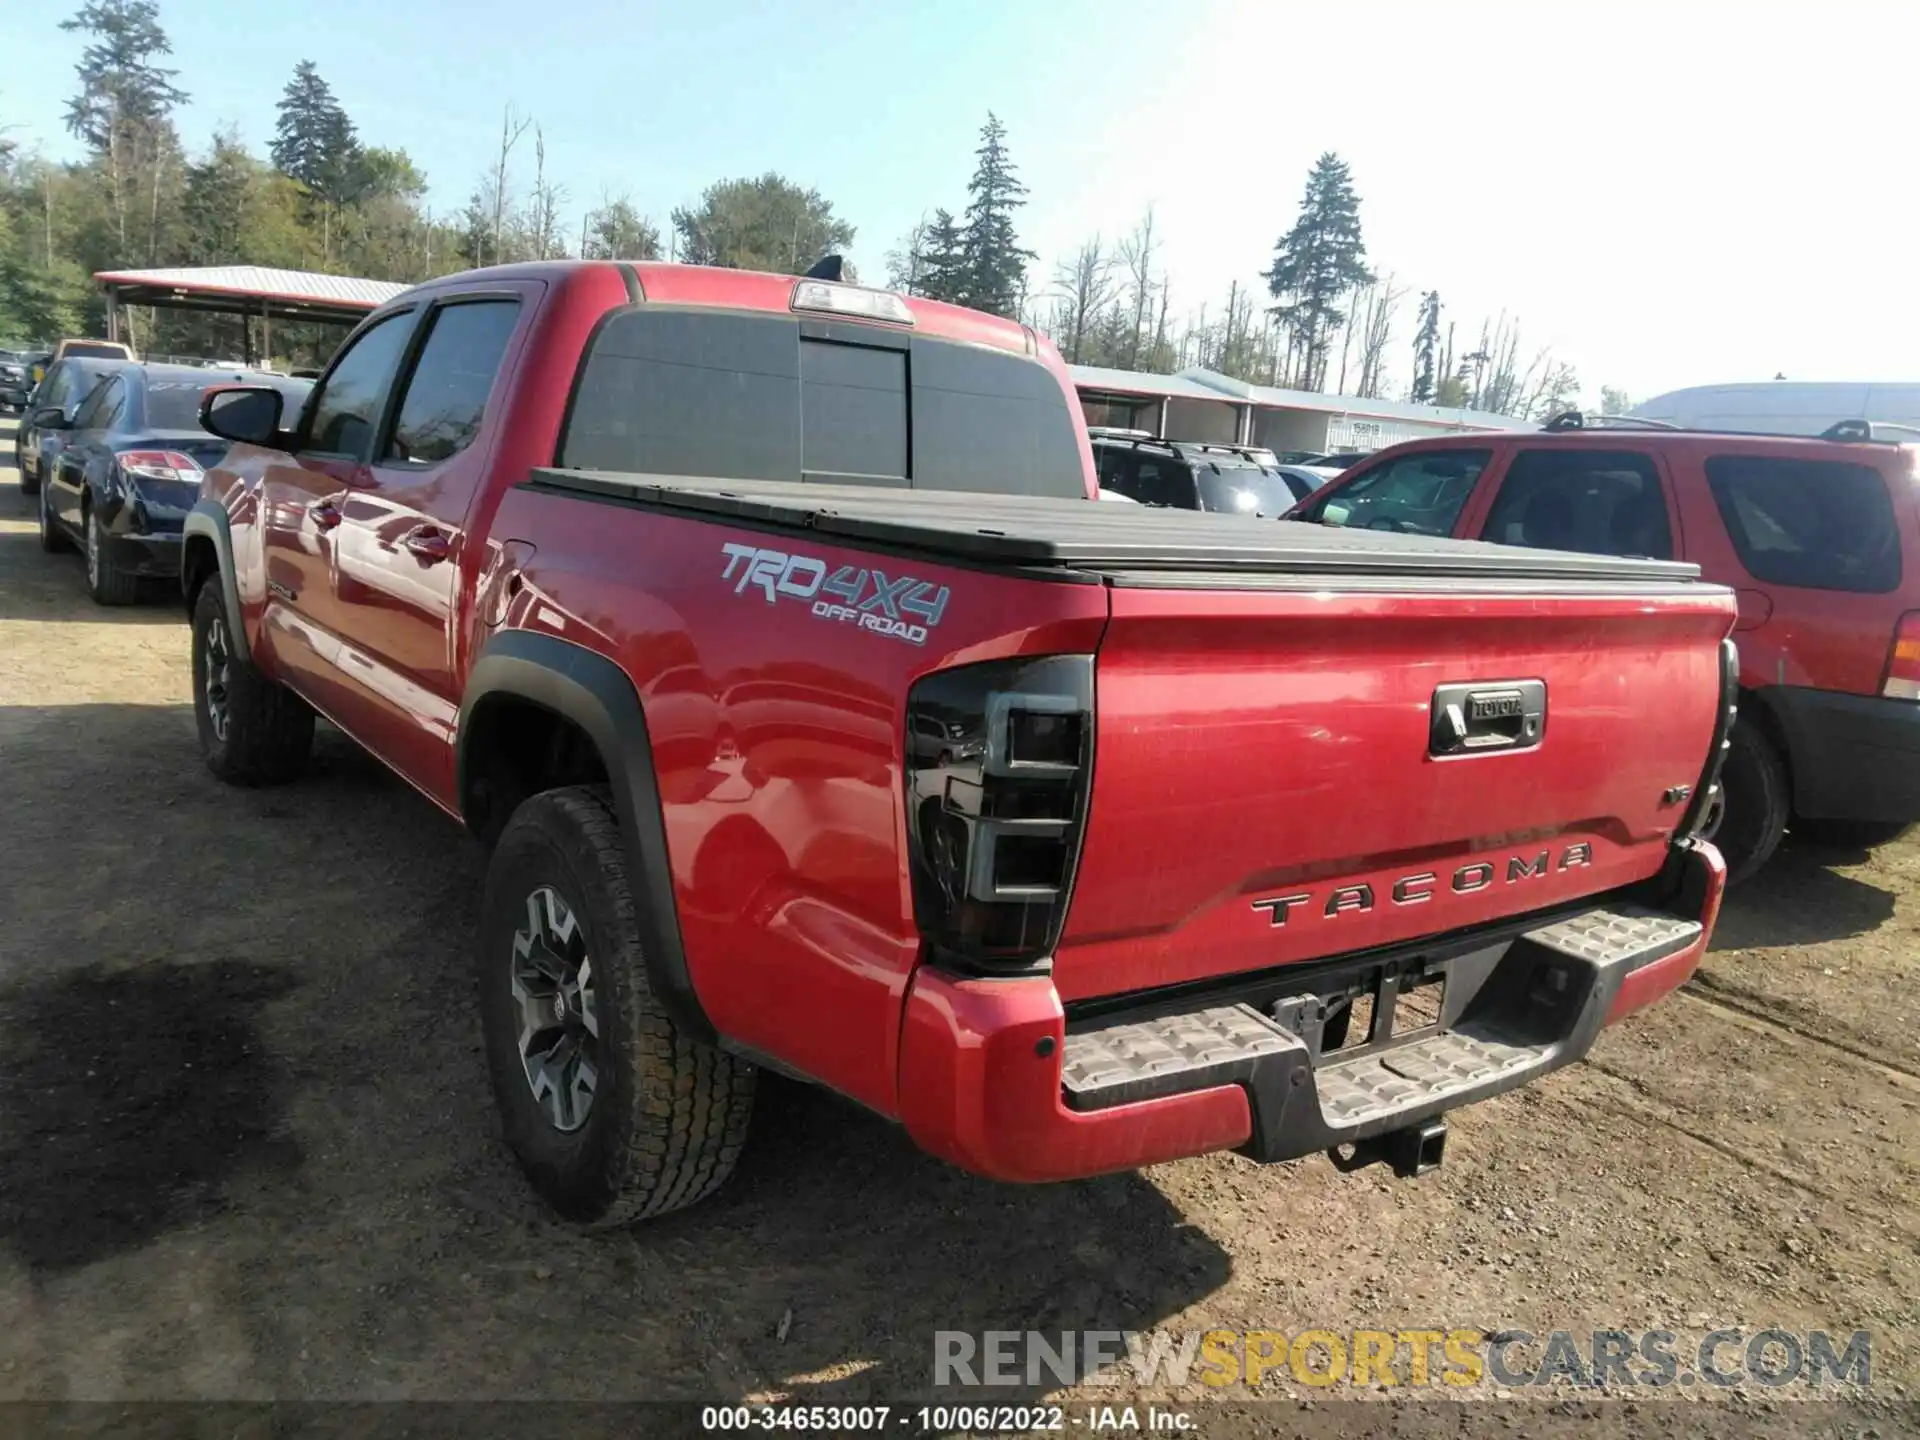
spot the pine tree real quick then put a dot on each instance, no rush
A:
(124, 107)
(314, 141)
(1426, 349)
(943, 260)
(993, 267)
(1318, 263)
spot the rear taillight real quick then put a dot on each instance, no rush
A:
(1903, 661)
(999, 760)
(161, 465)
(1704, 792)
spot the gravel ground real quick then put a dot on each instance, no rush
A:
(249, 1152)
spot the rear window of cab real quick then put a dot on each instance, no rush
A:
(725, 395)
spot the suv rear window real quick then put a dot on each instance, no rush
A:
(1820, 524)
(1419, 494)
(1244, 490)
(748, 397)
(1601, 502)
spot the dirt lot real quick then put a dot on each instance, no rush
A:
(246, 1148)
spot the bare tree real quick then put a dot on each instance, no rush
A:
(1085, 284)
(1383, 299)
(510, 134)
(543, 218)
(1136, 253)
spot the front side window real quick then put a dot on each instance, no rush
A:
(1420, 494)
(348, 406)
(447, 393)
(1599, 502)
(1821, 524)
(1164, 482)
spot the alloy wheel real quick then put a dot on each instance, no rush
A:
(218, 659)
(553, 995)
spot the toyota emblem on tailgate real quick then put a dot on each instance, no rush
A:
(1487, 716)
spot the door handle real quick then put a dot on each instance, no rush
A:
(429, 544)
(324, 513)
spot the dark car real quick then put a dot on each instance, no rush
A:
(1195, 474)
(50, 412)
(130, 469)
(17, 378)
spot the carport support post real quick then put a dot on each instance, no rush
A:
(113, 312)
(1160, 426)
(1246, 426)
(266, 336)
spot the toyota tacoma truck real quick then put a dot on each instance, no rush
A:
(819, 722)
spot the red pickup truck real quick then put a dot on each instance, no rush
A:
(818, 721)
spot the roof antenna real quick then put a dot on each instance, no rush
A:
(827, 267)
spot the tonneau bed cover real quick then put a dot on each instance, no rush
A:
(1071, 534)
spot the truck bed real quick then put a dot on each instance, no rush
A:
(1120, 544)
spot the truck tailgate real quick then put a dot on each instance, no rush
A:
(1269, 786)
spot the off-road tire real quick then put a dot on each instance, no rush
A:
(107, 582)
(53, 539)
(1756, 801)
(29, 484)
(1850, 834)
(669, 1114)
(268, 730)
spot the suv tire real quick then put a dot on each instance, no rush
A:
(252, 731)
(613, 1114)
(1851, 834)
(29, 483)
(1754, 802)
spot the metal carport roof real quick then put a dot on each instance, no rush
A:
(250, 290)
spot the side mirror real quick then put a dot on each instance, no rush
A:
(247, 414)
(50, 417)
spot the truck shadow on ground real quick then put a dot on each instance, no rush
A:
(251, 1074)
(1800, 899)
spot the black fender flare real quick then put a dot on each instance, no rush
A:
(208, 520)
(593, 692)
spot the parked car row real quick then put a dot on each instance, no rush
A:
(1818, 537)
(114, 451)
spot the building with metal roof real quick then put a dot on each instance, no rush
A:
(1199, 404)
(251, 291)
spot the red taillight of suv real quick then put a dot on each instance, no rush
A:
(1903, 663)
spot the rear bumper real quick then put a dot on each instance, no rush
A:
(146, 555)
(1854, 757)
(995, 1079)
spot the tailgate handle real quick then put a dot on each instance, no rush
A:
(1487, 716)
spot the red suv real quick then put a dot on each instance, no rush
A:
(1817, 535)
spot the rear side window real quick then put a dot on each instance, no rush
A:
(447, 392)
(729, 396)
(1164, 482)
(1820, 524)
(1419, 494)
(1599, 502)
(93, 413)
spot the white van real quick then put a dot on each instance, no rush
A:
(1783, 407)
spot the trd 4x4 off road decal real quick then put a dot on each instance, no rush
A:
(901, 606)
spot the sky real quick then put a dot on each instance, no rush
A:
(1661, 194)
